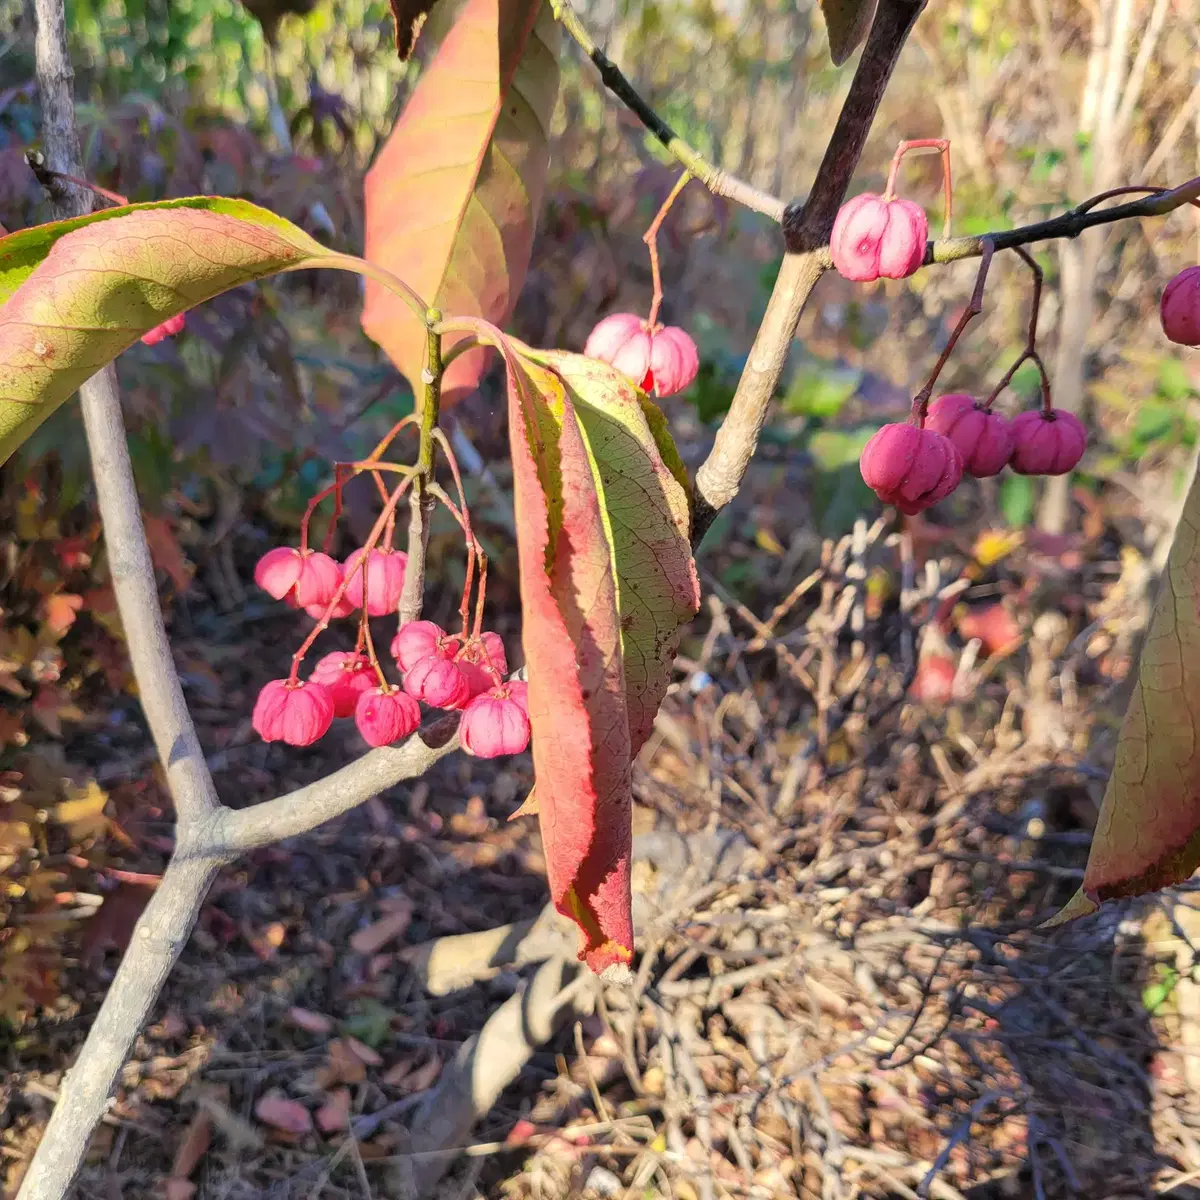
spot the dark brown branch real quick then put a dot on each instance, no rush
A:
(806, 232)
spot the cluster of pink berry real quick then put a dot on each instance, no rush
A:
(914, 465)
(659, 359)
(460, 673)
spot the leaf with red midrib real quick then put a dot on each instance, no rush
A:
(1148, 832)
(607, 581)
(571, 637)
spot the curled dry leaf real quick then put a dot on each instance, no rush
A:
(311, 1022)
(421, 1078)
(194, 1146)
(408, 17)
(374, 937)
(289, 1116)
(334, 1114)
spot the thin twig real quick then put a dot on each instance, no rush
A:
(806, 232)
(719, 182)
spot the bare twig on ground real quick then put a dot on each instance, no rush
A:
(487, 1063)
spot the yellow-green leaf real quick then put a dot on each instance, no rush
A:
(76, 293)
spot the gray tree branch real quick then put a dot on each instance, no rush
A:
(230, 832)
(158, 939)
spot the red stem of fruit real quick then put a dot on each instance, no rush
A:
(331, 532)
(920, 404)
(941, 144)
(364, 631)
(390, 436)
(372, 540)
(479, 595)
(1030, 352)
(650, 237)
(473, 549)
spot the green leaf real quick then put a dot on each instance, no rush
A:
(453, 198)
(76, 293)
(1017, 498)
(847, 22)
(1173, 382)
(1155, 420)
(821, 390)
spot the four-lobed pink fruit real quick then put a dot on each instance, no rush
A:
(984, 438)
(347, 674)
(296, 713)
(1180, 308)
(875, 237)
(483, 662)
(438, 682)
(385, 714)
(384, 571)
(301, 577)
(662, 360)
(910, 467)
(1047, 443)
(496, 722)
(416, 640)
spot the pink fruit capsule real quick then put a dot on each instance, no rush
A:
(873, 237)
(1180, 308)
(494, 723)
(673, 361)
(384, 580)
(347, 675)
(438, 682)
(416, 640)
(169, 328)
(385, 715)
(1047, 443)
(909, 467)
(296, 713)
(984, 438)
(343, 608)
(301, 577)
(661, 360)
(477, 656)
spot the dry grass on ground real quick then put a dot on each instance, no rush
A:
(840, 991)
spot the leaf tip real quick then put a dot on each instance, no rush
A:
(610, 960)
(1080, 905)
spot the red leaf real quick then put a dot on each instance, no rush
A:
(452, 200)
(281, 1113)
(60, 610)
(166, 551)
(606, 581)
